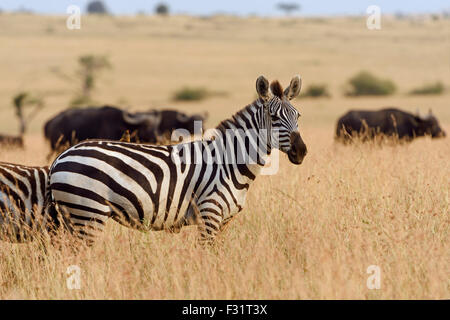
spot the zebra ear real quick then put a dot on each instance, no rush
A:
(262, 87)
(294, 88)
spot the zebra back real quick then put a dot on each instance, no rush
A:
(22, 198)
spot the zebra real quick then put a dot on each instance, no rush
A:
(148, 187)
(22, 201)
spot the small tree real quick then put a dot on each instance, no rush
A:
(20, 101)
(89, 68)
(96, 7)
(288, 7)
(316, 90)
(162, 9)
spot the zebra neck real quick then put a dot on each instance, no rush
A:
(245, 139)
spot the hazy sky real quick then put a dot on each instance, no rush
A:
(242, 7)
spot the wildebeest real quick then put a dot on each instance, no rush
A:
(172, 119)
(389, 122)
(107, 122)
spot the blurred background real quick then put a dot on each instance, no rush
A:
(308, 232)
(205, 56)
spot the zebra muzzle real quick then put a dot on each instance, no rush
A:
(298, 148)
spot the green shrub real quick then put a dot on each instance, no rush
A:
(22, 100)
(190, 94)
(316, 90)
(364, 83)
(434, 88)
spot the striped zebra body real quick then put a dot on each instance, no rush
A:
(22, 198)
(144, 187)
(166, 187)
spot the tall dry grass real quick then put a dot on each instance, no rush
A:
(308, 232)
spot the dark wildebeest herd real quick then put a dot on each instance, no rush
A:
(76, 125)
(22, 188)
(389, 122)
(130, 157)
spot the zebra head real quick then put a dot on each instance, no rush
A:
(281, 118)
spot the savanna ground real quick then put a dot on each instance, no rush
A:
(309, 232)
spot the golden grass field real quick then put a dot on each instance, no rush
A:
(309, 232)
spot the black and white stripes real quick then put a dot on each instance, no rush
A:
(22, 197)
(166, 187)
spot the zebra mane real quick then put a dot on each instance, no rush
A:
(225, 124)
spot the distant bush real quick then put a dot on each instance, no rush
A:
(190, 94)
(434, 88)
(80, 100)
(49, 29)
(90, 66)
(288, 7)
(364, 83)
(162, 9)
(96, 7)
(316, 90)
